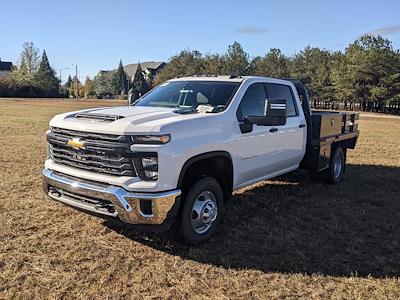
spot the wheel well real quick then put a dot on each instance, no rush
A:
(345, 144)
(217, 165)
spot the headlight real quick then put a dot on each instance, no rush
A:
(146, 165)
(151, 139)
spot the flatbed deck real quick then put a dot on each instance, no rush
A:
(325, 131)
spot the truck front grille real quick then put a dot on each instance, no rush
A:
(101, 153)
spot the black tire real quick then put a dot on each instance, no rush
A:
(207, 186)
(334, 174)
(330, 175)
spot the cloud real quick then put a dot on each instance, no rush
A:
(385, 30)
(252, 30)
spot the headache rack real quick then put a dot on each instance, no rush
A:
(101, 153)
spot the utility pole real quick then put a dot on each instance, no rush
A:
(76, 82)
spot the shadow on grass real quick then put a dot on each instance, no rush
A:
(292, 225)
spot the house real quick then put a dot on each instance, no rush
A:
(149, 68)
(5, 68)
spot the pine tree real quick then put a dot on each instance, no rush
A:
(364, 74)
(313, 67)
(236, 60)
(66, 87)
(213, 64)
(120, 84)
(273, 64)
(47, 78)
(139, 84)
(186, 63)
(69, 82)
(104, 84)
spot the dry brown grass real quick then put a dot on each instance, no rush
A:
(285, 238)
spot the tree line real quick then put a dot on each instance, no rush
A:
(117, 84)
(33, 77)
(366, 74)
(108, 84)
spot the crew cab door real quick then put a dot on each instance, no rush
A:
(292, 136)
(258, 150)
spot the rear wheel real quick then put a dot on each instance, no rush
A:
(336, 167)
(202, 210)
(334, 173)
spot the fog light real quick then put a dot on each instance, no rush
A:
(150, 167)
(146, 207)
(146, 166)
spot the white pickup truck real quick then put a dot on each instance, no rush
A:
(176, 154)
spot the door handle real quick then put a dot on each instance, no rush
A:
(302, 125)
(273, 129)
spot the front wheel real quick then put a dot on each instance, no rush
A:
(202, 211)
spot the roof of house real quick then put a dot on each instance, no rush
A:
(5, 65)
(130, 69)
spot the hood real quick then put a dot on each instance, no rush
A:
(121, 119)
(137, 114)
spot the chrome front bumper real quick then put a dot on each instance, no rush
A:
(111, 201)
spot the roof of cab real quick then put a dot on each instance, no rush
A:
(227, 78)
(211, 78)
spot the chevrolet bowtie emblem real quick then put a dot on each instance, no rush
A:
(76, 143)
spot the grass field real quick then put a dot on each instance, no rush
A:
(284, 238)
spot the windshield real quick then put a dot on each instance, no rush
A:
(191, 94)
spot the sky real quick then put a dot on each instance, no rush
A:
(96, 34)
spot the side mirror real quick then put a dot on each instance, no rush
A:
(275, 114)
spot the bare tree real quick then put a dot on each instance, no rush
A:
(29, 60)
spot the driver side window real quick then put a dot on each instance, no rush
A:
(253, 102)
